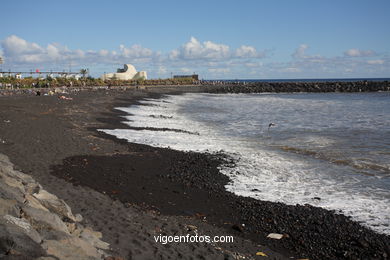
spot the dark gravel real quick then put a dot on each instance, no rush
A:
(190, 184)
(179, 183)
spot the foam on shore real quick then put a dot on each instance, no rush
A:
(259, 173)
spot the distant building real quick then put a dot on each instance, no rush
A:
(193, 76)
(73, 76)
(127, 73)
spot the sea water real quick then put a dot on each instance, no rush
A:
(330, 150)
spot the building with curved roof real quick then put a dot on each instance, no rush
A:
(127, 73)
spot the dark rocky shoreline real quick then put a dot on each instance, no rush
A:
(231, 87)
(288, 87)
(173, 188)
(189, 184)
(38, 132)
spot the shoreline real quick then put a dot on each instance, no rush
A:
(224, 87)
(42, 131)
(199, 193)
(250, 204)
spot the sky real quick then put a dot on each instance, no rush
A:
(230, 39)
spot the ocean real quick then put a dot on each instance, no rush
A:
(330, 150)
(299, 80)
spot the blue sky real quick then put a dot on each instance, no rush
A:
(216, 39)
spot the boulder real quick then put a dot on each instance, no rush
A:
(43, 195)
(35, 224)
(78, 218)
(71, 227)
(14, 241)
(75, 228)
(34, 202)
(71, 249)
(93, 233)
(6, 169)
(41, 219)
(93, 238)
(52, 234)
(9, 207)
(32, 187)
(7, 192)
(53, 203)
(25, 227)
(5, 165)
(13, 183)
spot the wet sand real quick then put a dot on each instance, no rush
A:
(132, 192)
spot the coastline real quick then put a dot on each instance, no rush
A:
(41, 131)
(184, 184)
(284, 86)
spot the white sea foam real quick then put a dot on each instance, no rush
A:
(260, 172)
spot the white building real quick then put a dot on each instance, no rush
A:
(127, 73)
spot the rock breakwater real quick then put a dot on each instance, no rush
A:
(278, 87)
(35, 224)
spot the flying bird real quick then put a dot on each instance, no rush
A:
(271, 124)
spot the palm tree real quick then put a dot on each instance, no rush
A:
(84, 72)
(1, 62)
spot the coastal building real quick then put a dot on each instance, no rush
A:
(73, 76)
(193, 76)
(127, 73)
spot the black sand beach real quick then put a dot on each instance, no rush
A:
(131, 192)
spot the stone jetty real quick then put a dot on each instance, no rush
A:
(35, 224)
(279, 87)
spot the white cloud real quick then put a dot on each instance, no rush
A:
(207, 58)
(359, 53)
(248, 52)
(79, 54)
(300, 51)
(173, 55)
(162, 70)
(219, 70)
(306, 65)
(53, 52)
(210, 51)
(14, 45)
(135, 51)
(191, 56)
(20, 51)
(194, 49)
(300, 54)
(253, 64)
(291, 69)
(103, 53)
(375, 62)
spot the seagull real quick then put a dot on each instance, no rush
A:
(271, 124)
